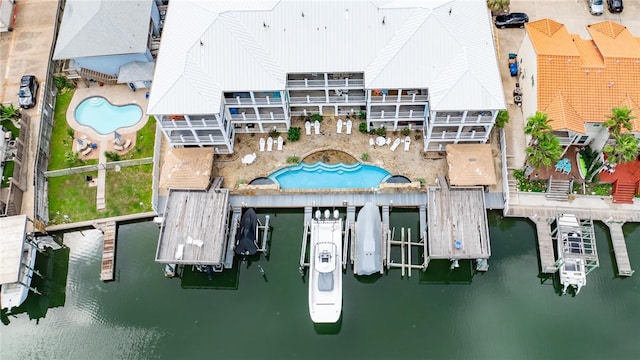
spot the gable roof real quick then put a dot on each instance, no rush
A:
(103, 27)
(581, 80)
(444, 45)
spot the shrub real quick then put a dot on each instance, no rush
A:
(422, 181)
(603, 189)
(362, 114)
(274, 133)
(363, 127)
(8, 112)
(112, 156)
(381, 131)
(293, 160)
(405, 132)
(502, 118)
(316, 117)
(293, 134)
(526, 185)
(62, 83)
(364, 156)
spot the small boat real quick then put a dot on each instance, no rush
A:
(368, 256)
(325, 273)
(14, 294)
(247, 237)
(571, 250)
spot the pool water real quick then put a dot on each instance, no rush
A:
(104, 117)
(324, 176)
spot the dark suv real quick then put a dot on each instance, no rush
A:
(511, 20)
(28, 91)
(615, 6)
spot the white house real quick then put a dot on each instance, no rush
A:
(250, 66)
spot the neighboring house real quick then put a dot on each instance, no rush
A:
(249, 66)
(99, 39)
(577, 82)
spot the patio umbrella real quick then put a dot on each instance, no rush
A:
(117, 138)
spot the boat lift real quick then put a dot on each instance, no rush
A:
(406, 245)
(306, 238)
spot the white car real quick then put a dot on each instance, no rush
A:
(596, 7)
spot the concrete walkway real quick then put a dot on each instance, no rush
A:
(101, 201)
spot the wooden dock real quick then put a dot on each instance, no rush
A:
(545, 245)
(108, 250)
(620, 249)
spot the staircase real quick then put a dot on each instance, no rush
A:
(558, 190)
(623, 192)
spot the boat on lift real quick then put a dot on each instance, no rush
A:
(571, 249)
(325, 273)
(247, 237)
(14, 294)
(368, 255)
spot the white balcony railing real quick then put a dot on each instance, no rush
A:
(308, 83)
(256, 101)
(242, 116)
(462, 120)
(183, 124)
(412, 115)
(344, 99)
(403, 99)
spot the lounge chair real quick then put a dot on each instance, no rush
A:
(407, 143)
(339, 125)
(395, 145)
(87, 151)
(387, 141)
(280, 143)
(180, 252)
(307, 127)
(262, 142)
(127, 143)
(316, 126)
(349, 126)
(118, 147)
(560, 165)
(567, 167)
(269, 143)
(372, 142)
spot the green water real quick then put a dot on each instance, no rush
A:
(507, 313)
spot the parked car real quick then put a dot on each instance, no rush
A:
(596, 7)
(28, 91)
(511, 20)
(615, 6)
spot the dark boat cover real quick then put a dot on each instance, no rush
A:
(246, 237)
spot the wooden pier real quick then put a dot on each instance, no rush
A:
(108, 249)
(545, 245)
(620, 249)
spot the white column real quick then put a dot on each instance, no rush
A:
(253, 98)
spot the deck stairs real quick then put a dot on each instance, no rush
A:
(623, 192)
(558, 190)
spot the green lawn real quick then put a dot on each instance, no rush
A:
(145, 139)
(125, 191)
(8, 124)
(7, 173)
(62, 136)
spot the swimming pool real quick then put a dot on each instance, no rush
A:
(104, 117)
(324, 176)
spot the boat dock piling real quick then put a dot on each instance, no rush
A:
(305, 238)
(236, 215)
(620, 249)
(108, 249)
(545, 245)
(350, 233)
(406, 249)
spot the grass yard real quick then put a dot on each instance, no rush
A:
(129, 190)
(145, 140)
(126, 190)
(62, 136)
(8, 124)
(7, 173)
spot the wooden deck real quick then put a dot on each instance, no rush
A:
(620, 249)
(457, 215)
(108, 250)
(194, 228)
(545, 245)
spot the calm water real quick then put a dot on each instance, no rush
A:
(324, 176)
(104, 117)
(507, 313)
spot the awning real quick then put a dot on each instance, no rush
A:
(136, 71)
(470, 164)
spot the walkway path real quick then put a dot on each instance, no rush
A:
(102, 176)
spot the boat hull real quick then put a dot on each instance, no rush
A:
(368, 241)
(325, 276)
(14, 294)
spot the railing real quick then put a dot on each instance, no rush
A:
(344, 99)
(346, 83)
(505, 175)
(254, 117)
(410, 115)
(403, 99)
(183, 124)
(463, 120)
(255, 101)
(453, 135)
(197, 140)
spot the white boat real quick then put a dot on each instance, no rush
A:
(325, 273)
(368, 256)
(14, 294)
(571, 250)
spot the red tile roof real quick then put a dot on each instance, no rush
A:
(580, 80)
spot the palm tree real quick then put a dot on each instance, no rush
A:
(498, 5)
(545, 152)
(537, 125)
(624, 149)
(619, 119)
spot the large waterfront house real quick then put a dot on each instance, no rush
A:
(576, 81)
(110, 41)
(229, 67)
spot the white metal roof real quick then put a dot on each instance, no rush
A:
(444, 45)
(13, 230)
(103, 27)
